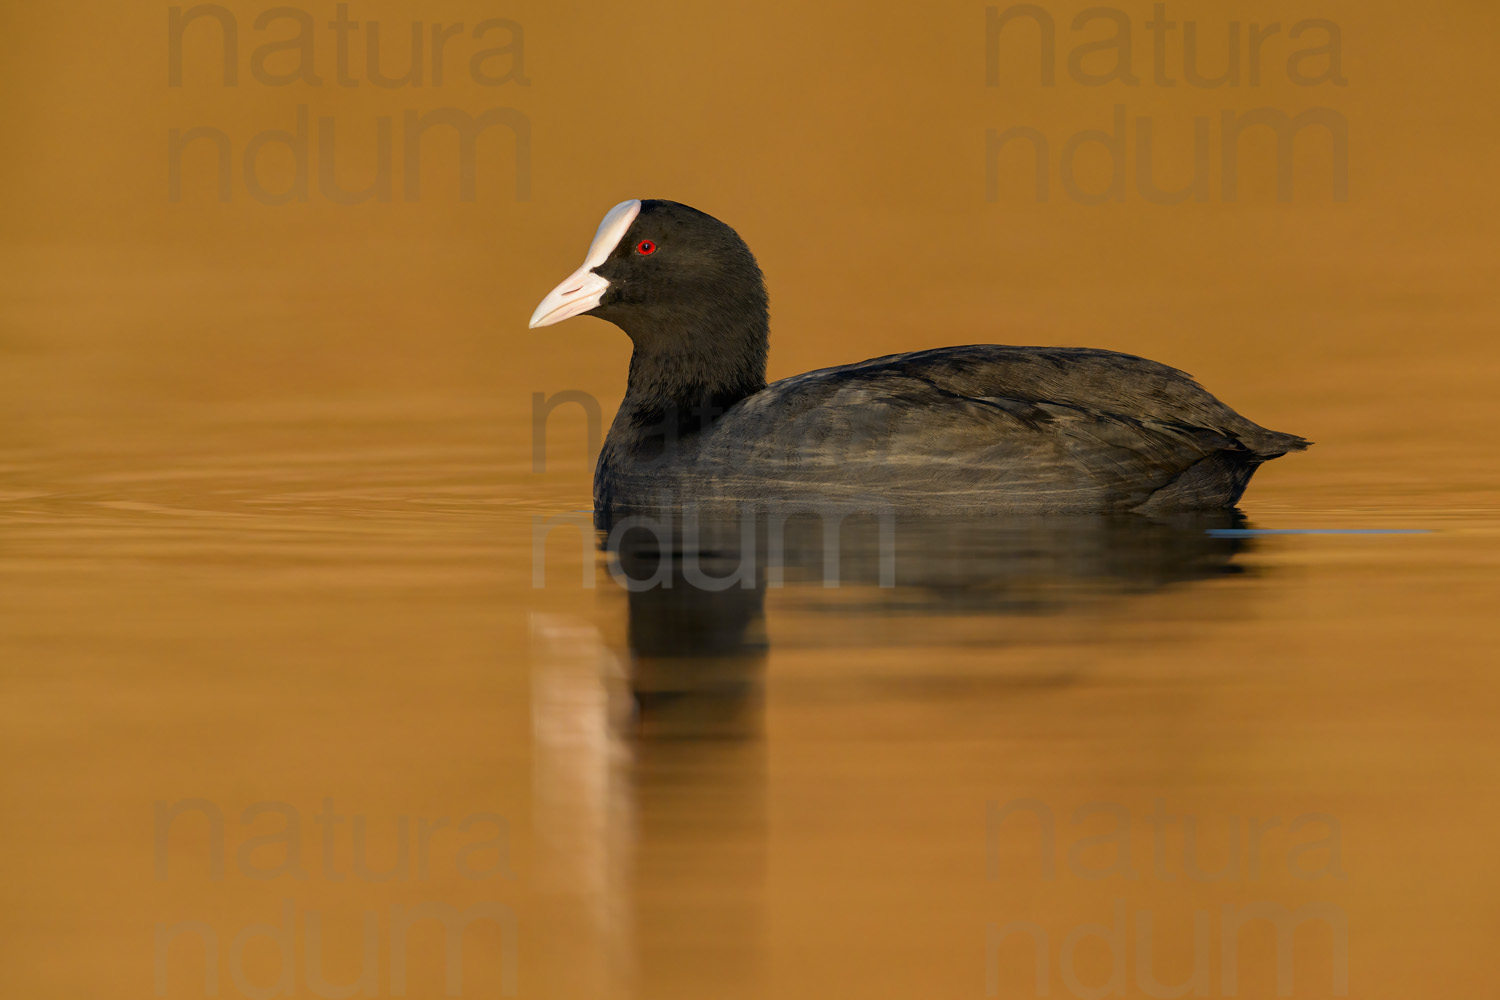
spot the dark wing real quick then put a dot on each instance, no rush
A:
(1100, 381)
(1053, 428)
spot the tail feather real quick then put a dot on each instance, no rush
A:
(1267, 444)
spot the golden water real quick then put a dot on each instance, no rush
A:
(267, 535)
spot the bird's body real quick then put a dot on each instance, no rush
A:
(958, 430)
(954, 430)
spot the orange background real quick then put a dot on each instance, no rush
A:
(268, 485)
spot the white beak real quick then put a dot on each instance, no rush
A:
(582, 290)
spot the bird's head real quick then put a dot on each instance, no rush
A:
(665, 273)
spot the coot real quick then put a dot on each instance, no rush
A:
(973, 430)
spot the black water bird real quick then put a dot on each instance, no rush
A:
(982, 429)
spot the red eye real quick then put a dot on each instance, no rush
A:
(645, 248)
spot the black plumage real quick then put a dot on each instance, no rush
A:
(974, 429)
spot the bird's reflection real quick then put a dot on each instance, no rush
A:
(696, 586)
(648, 763)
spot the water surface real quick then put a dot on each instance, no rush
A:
(793, 789)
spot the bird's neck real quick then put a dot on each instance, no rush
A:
(686, 374)
(687, 371)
